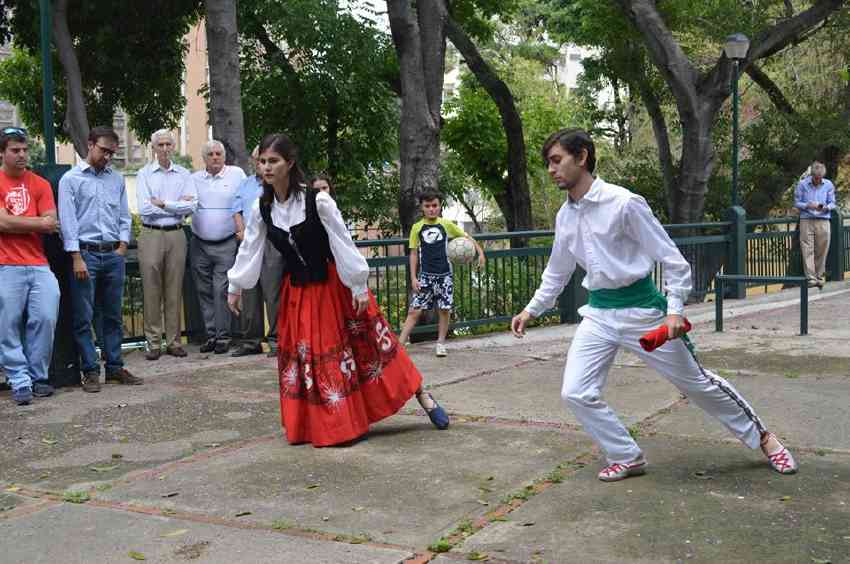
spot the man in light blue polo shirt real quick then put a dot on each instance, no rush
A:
(271, 277)
(815, 198)
(95, 222)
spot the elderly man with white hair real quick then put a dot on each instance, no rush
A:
(214, 243)
(166, 196)
(815, 198)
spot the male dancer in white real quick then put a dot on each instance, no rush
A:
(614, 236)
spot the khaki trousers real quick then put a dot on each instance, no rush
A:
(814, 246)
(162, 262)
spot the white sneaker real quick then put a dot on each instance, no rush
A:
(616, 472)
(441, 350)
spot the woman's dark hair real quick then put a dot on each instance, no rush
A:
(327, 178)
(281, 144)
(573, 141)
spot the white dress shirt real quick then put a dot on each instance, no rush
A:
(170, 185)
(351, 266)
(213, 220)
(613, 234)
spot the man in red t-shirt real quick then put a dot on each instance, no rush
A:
(29, 292)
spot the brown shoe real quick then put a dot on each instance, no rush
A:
(175, 350)
(153, 354)
(91, 381)
(122, 376)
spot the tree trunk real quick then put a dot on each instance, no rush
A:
(225, 93)
(517, 198)
(420, 43)
(76, 123)
(662, 141)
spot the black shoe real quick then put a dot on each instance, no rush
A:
(175, 350)
(153, 354)
(245, 350)
(222, 347)
(22, 396)
(208, 347)
(123, 376)
(42, 389)
(91, 381)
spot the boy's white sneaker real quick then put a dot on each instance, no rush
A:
(441, 350)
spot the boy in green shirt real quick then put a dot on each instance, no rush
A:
(430, 269)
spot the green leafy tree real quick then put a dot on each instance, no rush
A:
(474, 132)
(320, 73)
(109, 55)
(643, 42)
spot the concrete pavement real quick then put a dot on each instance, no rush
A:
(192, 466)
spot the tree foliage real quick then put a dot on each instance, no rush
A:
(473, 129)
(320, 73)
(126, 61)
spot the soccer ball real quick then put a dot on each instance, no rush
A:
(462, 250)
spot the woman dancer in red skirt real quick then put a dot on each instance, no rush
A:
(340, 366)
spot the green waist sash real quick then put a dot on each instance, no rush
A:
(642, 293)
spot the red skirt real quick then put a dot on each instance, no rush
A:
(338, 372)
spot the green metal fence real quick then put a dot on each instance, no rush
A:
(491, 296)
(773, 248)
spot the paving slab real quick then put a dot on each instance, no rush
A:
(459, 364)
(806, 409)
(698, 503)
(106, 535)
(532, 392)
(407, 484)
(77, 437)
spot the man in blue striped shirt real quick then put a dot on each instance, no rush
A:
(815, 198)
(95, 221)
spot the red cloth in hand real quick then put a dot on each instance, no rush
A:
(658, 337)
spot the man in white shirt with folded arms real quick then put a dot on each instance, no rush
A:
(166, 195)
(214, 243)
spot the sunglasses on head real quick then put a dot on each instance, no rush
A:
(14, 131)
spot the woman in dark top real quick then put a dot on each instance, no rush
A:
(340, 366)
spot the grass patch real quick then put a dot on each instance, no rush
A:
(71, 496)
(792, 374)
(442, 545)
(281, 525)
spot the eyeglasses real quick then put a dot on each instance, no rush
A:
(14, 131)
(107, 151)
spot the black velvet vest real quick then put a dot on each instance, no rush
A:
(305, 247)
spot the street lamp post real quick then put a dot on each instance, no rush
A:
(735, 49)
(47, 82)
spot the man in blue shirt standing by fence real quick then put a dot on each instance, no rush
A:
(815, 198)
(95, 222)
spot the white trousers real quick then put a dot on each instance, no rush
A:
(599, 336)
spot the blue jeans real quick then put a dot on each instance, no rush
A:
(25, 347)
(106, 281)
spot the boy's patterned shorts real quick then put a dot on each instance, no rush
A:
(434, 289)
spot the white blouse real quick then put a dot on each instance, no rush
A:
(350, 264)
(613, 234)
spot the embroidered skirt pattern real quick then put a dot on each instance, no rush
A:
(338, 372)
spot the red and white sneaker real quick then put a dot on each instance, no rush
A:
(780, 459)
(616, 472)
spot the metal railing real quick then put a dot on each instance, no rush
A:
(800, 281)
(491, 296)
(773, 249)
